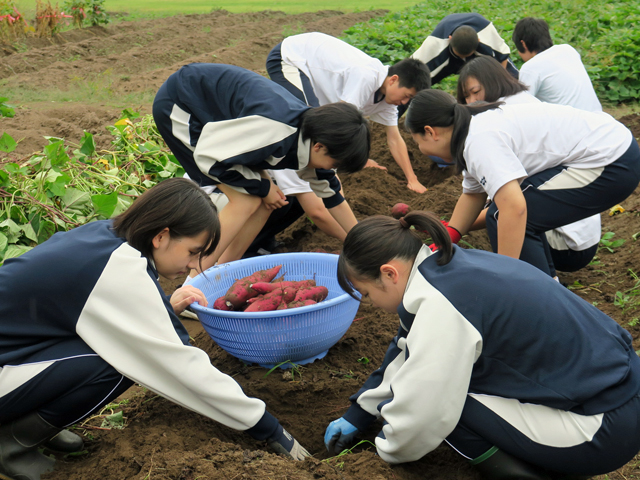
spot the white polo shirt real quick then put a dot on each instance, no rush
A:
(340, 72)
(557, 75)
(514, 142)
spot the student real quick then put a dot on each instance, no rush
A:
(227, 125)
(458, 38)
(321, 69)
(553, 73)
(520, 376)
(571, 247)
(543, 165)
(83, 317)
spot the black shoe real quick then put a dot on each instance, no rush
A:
(64, 442)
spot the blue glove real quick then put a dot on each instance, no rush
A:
(340, 434)
(283, 442)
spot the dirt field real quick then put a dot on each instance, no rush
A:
(164, 441)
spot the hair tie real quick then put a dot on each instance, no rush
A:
(403, 222)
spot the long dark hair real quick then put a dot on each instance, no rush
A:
(343, 130)
(492, 76)
(178, 204)
(436, 108)
(378, 239)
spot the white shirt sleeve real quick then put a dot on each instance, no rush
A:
(430, 388)
(530, 78)
(126, 322)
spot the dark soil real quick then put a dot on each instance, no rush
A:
(162, 440)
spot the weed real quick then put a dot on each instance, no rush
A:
(6, 110)
(289, 30)
(363, 360)
(634, 322)
(288, 375)
(346, 451)
(608, 243)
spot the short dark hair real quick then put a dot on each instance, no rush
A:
(464, 40)
(411, 73)
(492, 76)
(343, 130)
(534, 32)
(437, 108)
(178, 204)
(378, 239)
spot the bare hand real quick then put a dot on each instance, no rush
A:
(373, 164)
(185, 296)
(275, 199)
(416, 186)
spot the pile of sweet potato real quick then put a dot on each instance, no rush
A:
(259, 292)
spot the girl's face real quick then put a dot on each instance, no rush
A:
(474, 91)
(318, 157)
(387, 291)
(435, 141)
(175, 257)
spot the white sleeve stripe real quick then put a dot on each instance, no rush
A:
(180, 126)
(101, 402)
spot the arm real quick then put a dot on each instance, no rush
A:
(513, 219)
(466, 212)
(398, 149)
(128, 322)
(430, 387)
(344, 216)
(320, 216)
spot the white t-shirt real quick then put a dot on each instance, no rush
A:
(557, 75)
(289, 182)
(340, 72)
(576, 236)
(514, 142)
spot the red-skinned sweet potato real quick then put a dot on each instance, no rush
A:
(221, 304)
(241, 290)
(287, 294)
(318, 293)
(264, 287)
(399, 210)
(265, 303)
(301, 303)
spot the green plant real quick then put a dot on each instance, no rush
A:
(290, 375)
(363, 360)
(63, 187)
(346, 451)
(6, 110)
(608, 244)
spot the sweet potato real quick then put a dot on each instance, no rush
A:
(399, 210)
(264, 287)
(222, 304)
(241, 290)
(301, 303)
(318, 293)
(287, 294)
(265, 303)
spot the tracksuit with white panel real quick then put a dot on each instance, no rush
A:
(493, 354)
(224, 124)
(322, 69)
(437, 54)
(82, 317)
(571, 164)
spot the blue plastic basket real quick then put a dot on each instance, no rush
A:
(299, 335)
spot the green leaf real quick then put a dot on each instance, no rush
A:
(115, 420)
(56, 152)
(4, 241)
(75, 200)
(88, 146)
(29, 232)
(14, 251)
(105, 204)
(7, 144)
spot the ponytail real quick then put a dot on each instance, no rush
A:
(436, 108)
(378, 239)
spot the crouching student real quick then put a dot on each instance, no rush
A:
(83, 317)
(227, 125)
(520, 376)
(544, 166)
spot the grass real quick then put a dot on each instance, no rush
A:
(164, 8)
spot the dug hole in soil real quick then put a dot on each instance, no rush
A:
(162, 440)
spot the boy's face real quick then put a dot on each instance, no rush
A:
(397, 95)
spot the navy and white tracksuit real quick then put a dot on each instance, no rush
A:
(83, 316)
(437, 54)
(224, 124)
(492, 353)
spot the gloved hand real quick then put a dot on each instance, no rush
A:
(283, 442)
(453, 233)
(340, 434)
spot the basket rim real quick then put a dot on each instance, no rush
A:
(273, 313)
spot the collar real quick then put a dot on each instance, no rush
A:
(423, 253)
(152, 265)
(304, 147)
(378, 96)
